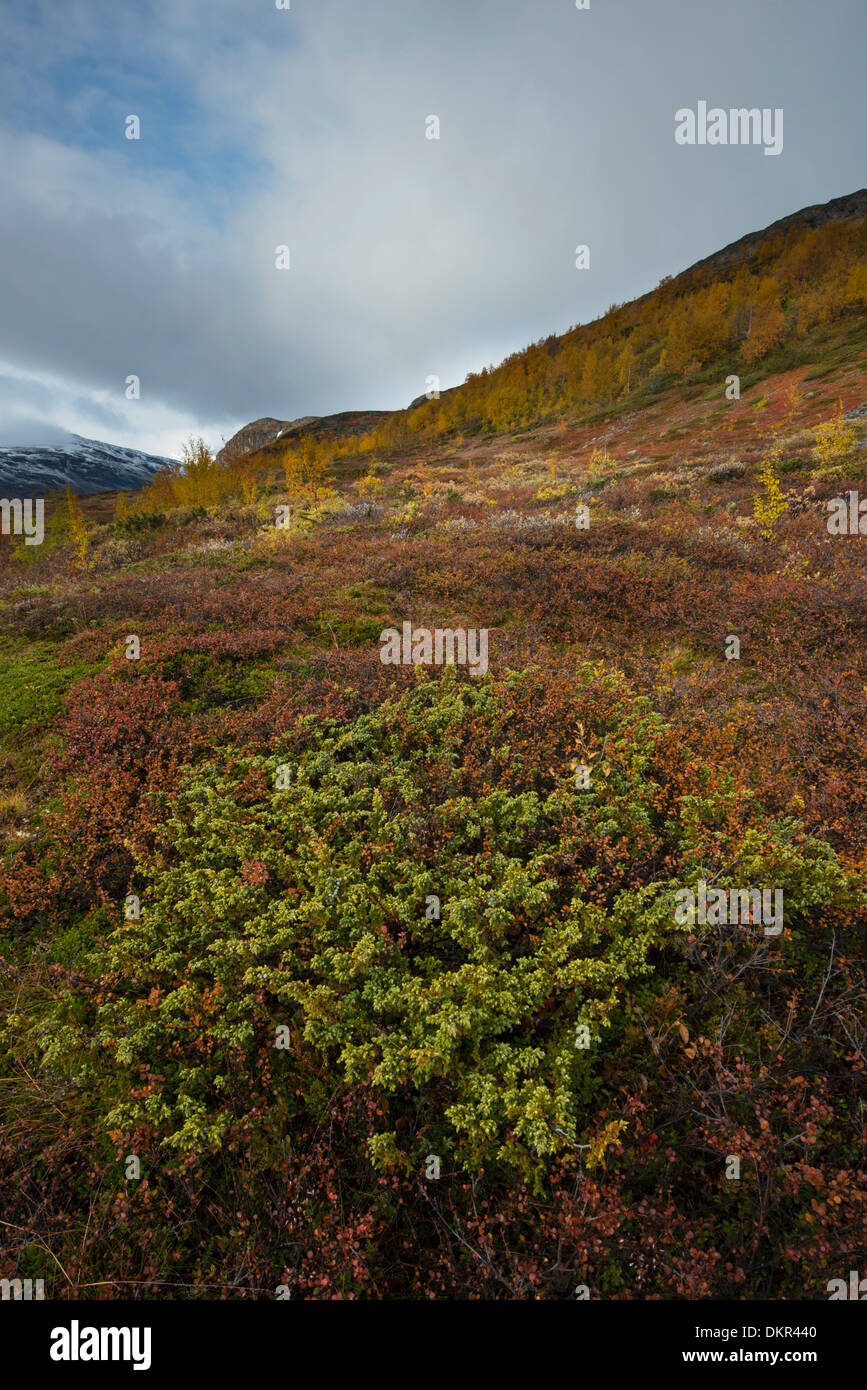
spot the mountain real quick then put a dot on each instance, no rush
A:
(259, 433)
(787, 258)
(85, 465)
(838, 209)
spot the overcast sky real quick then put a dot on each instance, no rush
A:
(306, 127)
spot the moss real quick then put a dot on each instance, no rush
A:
(33, 685)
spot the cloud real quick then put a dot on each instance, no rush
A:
(306, 127)
(22, 433)
(37, 409)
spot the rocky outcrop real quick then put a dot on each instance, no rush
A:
(270, 435)
(256, 435)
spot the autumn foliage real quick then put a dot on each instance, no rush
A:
(287, 924)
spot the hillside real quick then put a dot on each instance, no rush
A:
(399, 979)
(679, 327)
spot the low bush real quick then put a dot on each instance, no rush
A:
(428, 914)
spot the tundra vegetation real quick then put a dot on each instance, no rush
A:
(376, 970)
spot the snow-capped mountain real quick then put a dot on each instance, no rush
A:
(85, 465)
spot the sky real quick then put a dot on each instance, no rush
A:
(408, 257)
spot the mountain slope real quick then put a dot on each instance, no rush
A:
(768, 291)
(817, 215)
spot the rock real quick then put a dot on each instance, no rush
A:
(261, 434)
(253, 436)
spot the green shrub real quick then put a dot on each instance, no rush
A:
(136, 522)
(311, 907)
